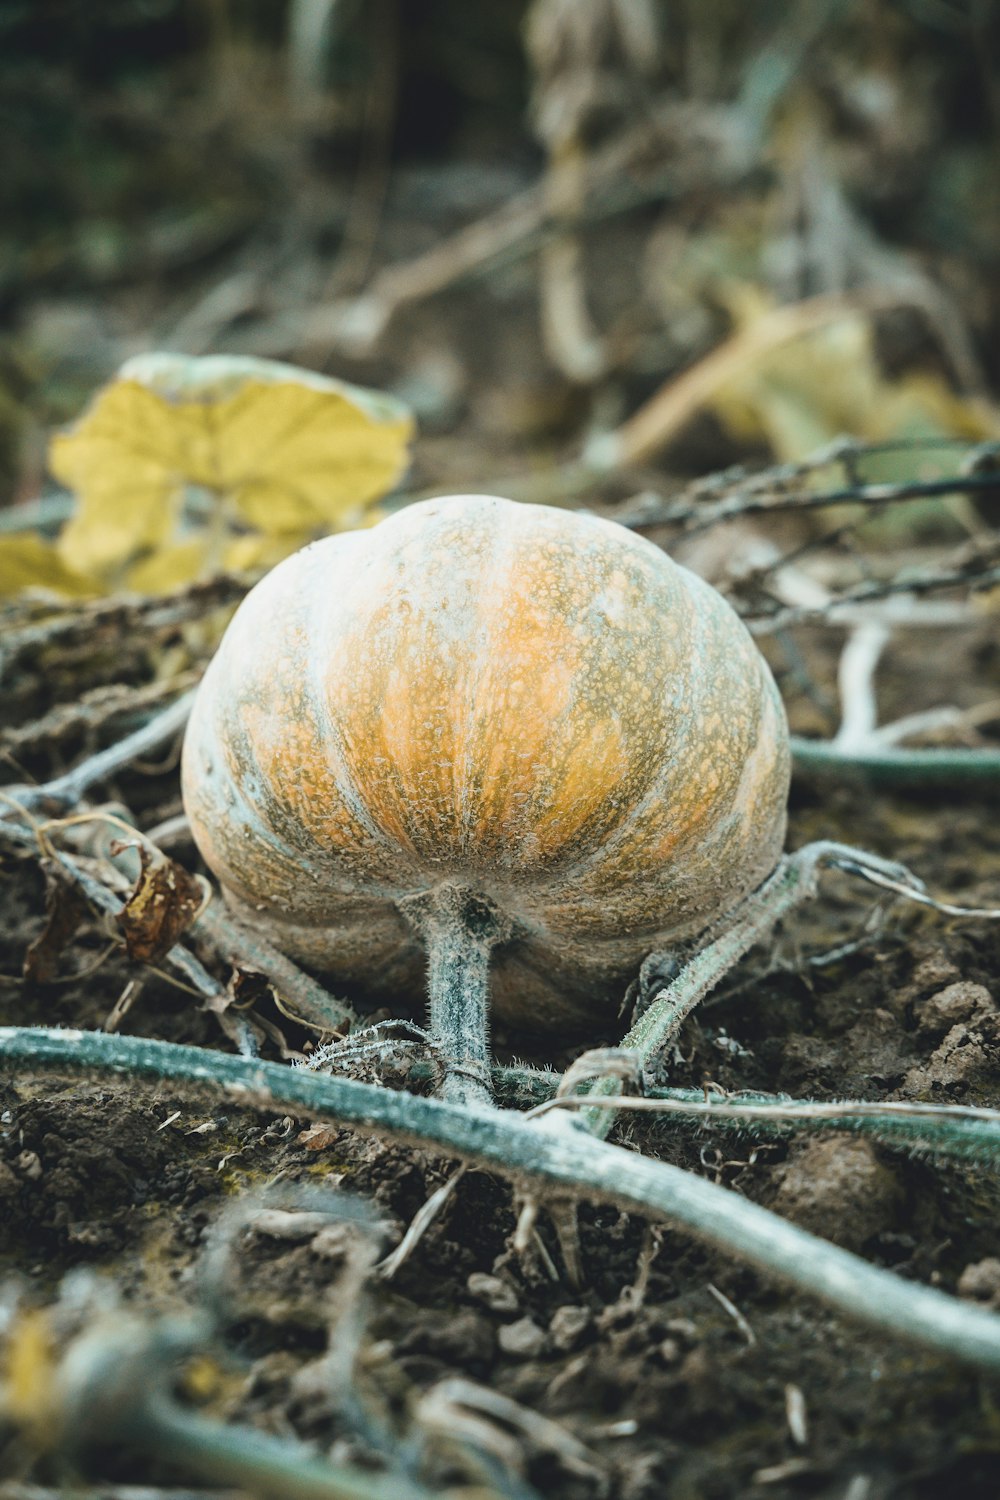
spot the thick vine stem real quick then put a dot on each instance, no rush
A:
(948, 1131)
(793, 882)
(459, 929)
(896, 764)
(563, 1159)
(959, 1131)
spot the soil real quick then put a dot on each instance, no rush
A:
(672, 1390)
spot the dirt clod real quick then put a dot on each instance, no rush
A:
(494, 1293)
(966, 1060)
(980, 1282)
(837, 1187)
(569, 1326)
(957, 1002)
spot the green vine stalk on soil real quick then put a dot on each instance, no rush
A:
(793, 882)
(956, 1131)
(897, 766)
(952, 1131)
(555, 1154)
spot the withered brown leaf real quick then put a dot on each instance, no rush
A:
(165, 901)
(65, 912)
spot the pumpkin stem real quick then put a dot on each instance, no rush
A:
(459, 928)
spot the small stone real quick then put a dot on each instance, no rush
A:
(568, 1326)
(318, 1137)
(669, 1351)
(931, 973)
(980, 1282)
(29, 1165)
(288, 1224)
(495, 1294)
(91, 1236)
(521, 1340)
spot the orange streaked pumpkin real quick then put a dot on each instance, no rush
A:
(530, 705)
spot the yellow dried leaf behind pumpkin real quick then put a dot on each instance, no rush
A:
(28, 561)
(801, 393)
(286, 451)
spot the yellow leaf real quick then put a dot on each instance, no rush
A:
(29, 561)
(800, 393)
(28, 1390)
(169, 567)
(925, 402)
(176, 564)
(251, 554)
(807, 391)
(285, 450)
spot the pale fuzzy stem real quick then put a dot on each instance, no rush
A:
(931, 719)
(658, 1025)
(261, 1462)
(67, 791)
(793, 882)
(113, 1386)
(459, 930)
(856, 683)
(565, 1159)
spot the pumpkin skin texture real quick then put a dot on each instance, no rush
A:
(534, 705)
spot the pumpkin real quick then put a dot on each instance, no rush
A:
(531, 706)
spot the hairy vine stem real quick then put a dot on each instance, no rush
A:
(955, 1131)
(459, 930)
(896, 764)
(65, 792)
(793, 882)
(528, 1151)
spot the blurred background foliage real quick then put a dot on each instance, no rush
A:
(521, 219)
